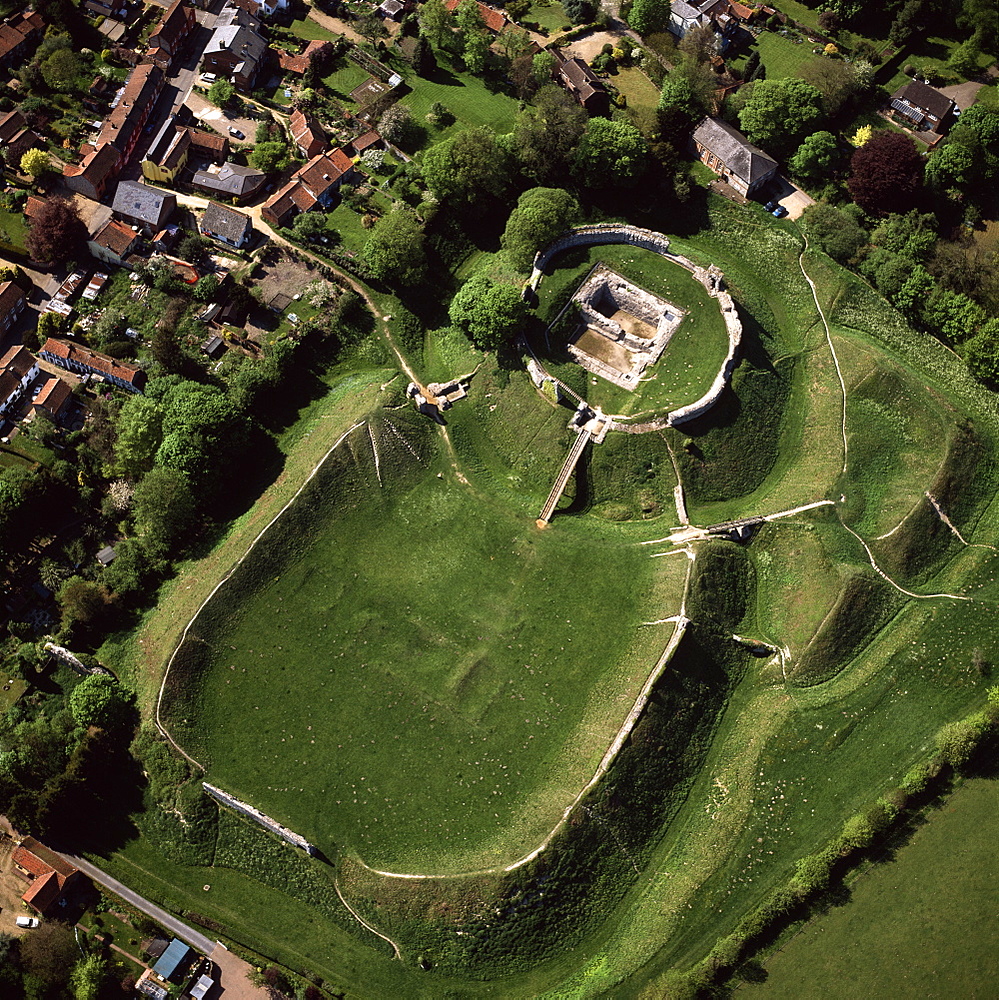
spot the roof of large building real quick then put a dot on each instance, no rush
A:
(323, 171)
(238, 39)
(305, 130)
(140, 201)
(494, 20)
(923, 96)
(92, 359)
(225, 221)
(581, 78)
(137, 97)
(231, 179)
(18, 359)
(116, 237)
(739, 155)
(15, 29)
(49, 873)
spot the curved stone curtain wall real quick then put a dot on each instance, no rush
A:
(711, 277)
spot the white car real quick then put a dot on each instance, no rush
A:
(29, 922)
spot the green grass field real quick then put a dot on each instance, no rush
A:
(917, 925)
(463, 672)
(465, 96)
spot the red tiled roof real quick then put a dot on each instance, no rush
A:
(361, 143)
(97, 166)
(98, 362)
(10, 124)
(54, 395)
(10, 295)
(172, 25)
(18, 359)
(43, 891)
(13, 32)
(324, 170)
(494, 20)
(116, 237)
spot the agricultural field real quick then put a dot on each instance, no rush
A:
(905, 928)
(408, 671)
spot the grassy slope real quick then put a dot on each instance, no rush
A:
(905, 931)
(836, 744)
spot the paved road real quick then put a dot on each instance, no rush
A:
(177, 927)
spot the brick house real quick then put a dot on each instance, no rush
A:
(83, 361)
(313, 186)
(54, 399)
(732, 156)
(583, 84)
(18, 369)
(142, 205)
(50, 875)
(921, 106)
(115, 243)
(236, 50)
(170, 34)
(19, 34)
(307, 133)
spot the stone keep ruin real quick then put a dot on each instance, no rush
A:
(622, 328)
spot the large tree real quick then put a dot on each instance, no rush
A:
(436, 24)
(395, 250)
(62, 69)
(886, 173)
(541, 215)
(835, 79)
(487, 312)
(779, 113)
(837, 231)
(56, 233)
(545, 136)
(140, 431)
(99, 700)
(817, 157)
(467, 167)
(610, 154)
(648, 17)
(165, 511)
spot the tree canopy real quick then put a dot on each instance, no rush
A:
(886, 173)
(99, 700)
(817, 156)
(56, 232)
(467, 167)
(140, 431)
(779, 113)
(487, 312)
(395, 248)
(541, 215)
(545, 136)
(610, 154)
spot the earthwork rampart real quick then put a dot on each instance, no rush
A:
(711, 277)
(257, 816)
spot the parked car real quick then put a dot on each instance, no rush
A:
(29, 922)
(779, 212)
(770, 206)
(236, 132)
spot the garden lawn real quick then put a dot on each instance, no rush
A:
(345, 78)
(13, 230)
(549, 15)
(640, 92)
(465, 96)
(920, 924)
(783, 55)
(310, 30)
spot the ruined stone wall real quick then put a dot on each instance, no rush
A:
(257, 816)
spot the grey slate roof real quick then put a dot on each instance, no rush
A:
(739, 155)
(232, 179)
(925, 97)
(225, 221)
(139, 201)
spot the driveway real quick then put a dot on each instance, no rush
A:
(792, 197)
(963, 94)
(217, 119)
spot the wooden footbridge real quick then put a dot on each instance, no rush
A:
(568, 466)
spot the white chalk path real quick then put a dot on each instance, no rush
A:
(832, 350)
(365, 924)
(885, 576)
(946, 520)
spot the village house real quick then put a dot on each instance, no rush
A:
(583, 84)
(12, 306)
(16, 138)
(172, 146)
(83, 361)
(53, 400)
(230, 181)
(220, 222)
(90, 177)
(919, 105)
(313, 186)
(18, 369)
(307, 133)
(19, 34)
(299, 62)
(732, 156)
(50, 875)
(115, 243)
(169, 36)
(360, 145)
(144, 206)
(724, 16)
(236, 50)
(261, 8)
